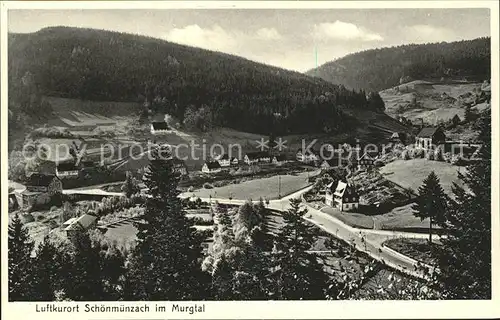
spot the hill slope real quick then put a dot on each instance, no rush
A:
(101, 65)
(433, 102)
(383, 68)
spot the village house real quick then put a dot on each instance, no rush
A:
(39, 190)
(398, 137)
(226, 161)
(180, 166)
(456, 120)
(76, 226)
(211, 167)
(257, 157)
(159, 127)
(342, 196)
(279, 160)
(367, 160)
(430, 137)
(67, 170)
(307, 156)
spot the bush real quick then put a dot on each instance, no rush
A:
(405, 155)
(378, 163)
(207, 185)
(438, 154)
(429, 155)
(447, 157)
(418, 153)
(455, 159)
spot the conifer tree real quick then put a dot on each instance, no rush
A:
(297, 273)
(20, 247)
(465, 258)
(130, 186)
(238, 267)
(86, 277)
(166, 262)
(49, 265)
(113, 271)
(431, 202)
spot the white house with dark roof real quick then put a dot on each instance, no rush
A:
(211, 167)
(226, 161)
(257, 157)
(342, 196)
(367, 160)
(430, 137)
(159, 127)
(307, 156)
(180, 166)
(67, 170)
(39, 190)
(279, 159)
(75, 226)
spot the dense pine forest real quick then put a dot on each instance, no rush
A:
(383, 68)
(101, 65)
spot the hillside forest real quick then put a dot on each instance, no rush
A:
(169, 78)
(383, 68)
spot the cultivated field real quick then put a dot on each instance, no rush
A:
(74, 113)
(400, 218)
(435, 101)
(411, 173)
(257, 188)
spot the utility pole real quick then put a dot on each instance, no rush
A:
(279, 186)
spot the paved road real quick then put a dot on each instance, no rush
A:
(368, 241)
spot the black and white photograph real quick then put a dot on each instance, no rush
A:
(227, 153)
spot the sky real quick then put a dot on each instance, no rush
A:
(295, 39)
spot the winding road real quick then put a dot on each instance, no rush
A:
(366, 240)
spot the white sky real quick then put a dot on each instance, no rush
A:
(285, 38)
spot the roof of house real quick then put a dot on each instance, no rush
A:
(212, 165)
(331, 186)
(257, 155)
(26, 192)
(66, 166)
(159, 125)
(40, 179)
(371, 154)
(280, 157)
(87, 163)
(70, 221)
(309, 151)
(178, 162)
(427, 132)
(341, 189)
(83, 222)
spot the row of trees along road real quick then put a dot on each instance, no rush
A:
(247, 261)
